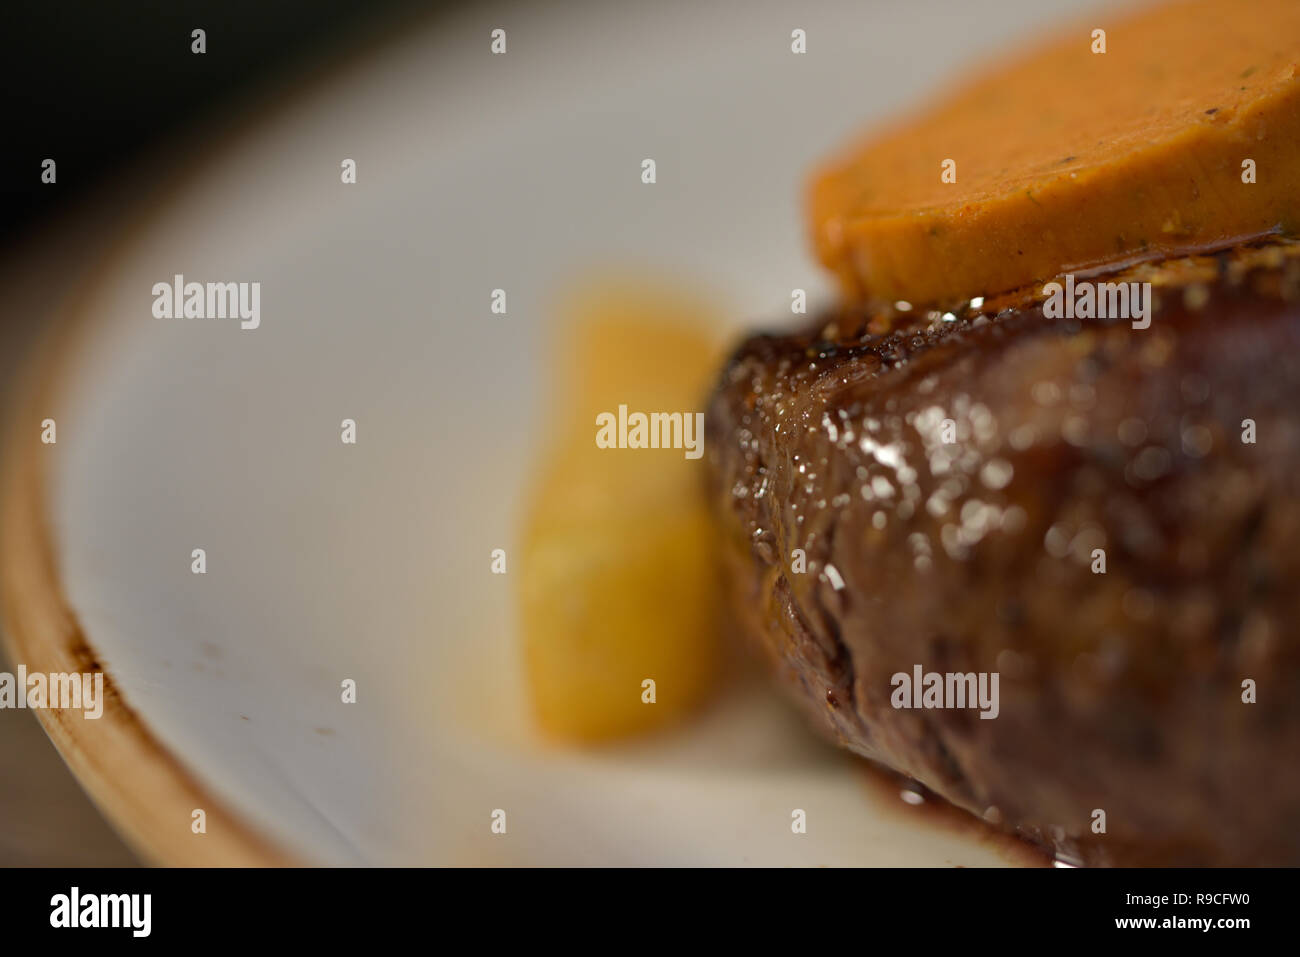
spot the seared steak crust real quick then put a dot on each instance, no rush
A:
(1120, 691)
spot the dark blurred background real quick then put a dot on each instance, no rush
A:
(95, 84)
(101, 87)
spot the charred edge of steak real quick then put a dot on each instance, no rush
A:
(1121, 691)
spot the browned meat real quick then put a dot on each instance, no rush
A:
(1119, 691)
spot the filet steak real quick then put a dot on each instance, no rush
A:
(952, 479)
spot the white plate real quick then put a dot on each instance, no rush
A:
(371, 562)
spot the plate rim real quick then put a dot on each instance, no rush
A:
(129, 774)
(143, 788)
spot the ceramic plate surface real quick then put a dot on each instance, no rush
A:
(370, 562)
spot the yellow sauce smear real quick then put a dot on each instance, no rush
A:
(617, 574)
